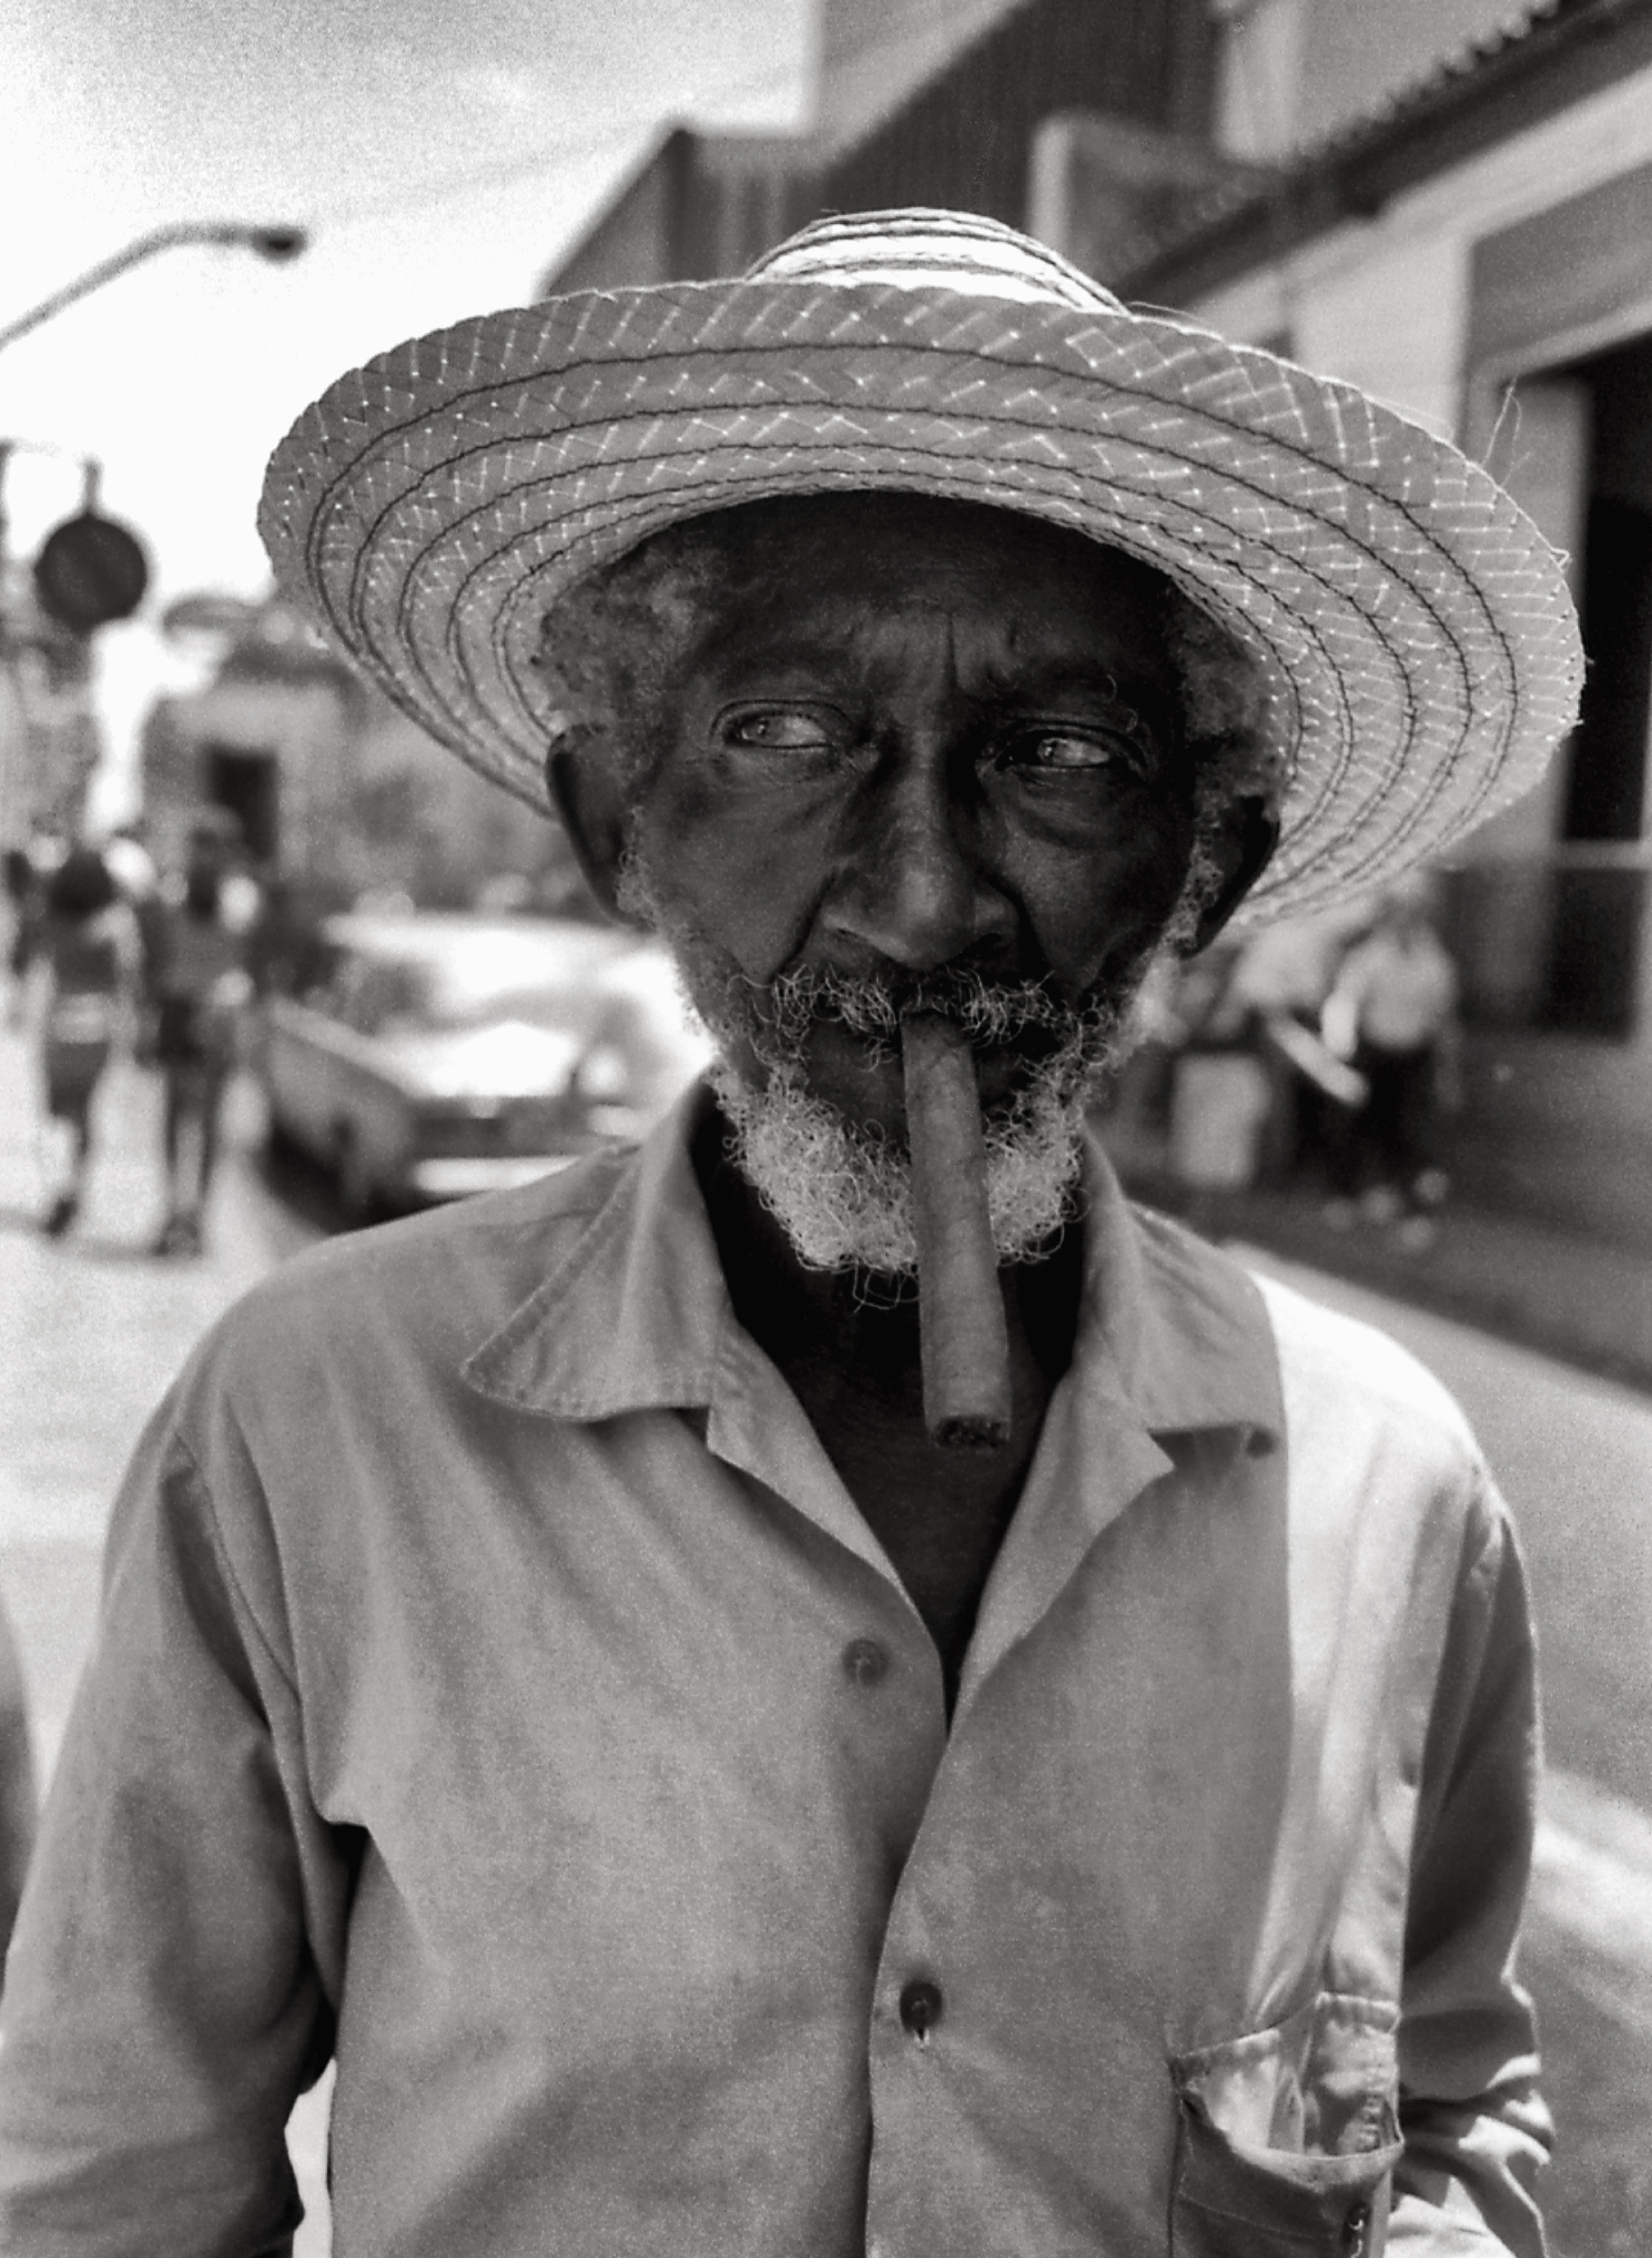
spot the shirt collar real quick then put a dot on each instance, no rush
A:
(635, 1314)
(631, 1316)
(1181, 1324)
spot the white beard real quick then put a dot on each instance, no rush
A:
(843, 1193)
(844, 1199)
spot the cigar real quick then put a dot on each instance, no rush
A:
(965, 1346)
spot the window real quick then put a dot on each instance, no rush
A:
(1259, 73)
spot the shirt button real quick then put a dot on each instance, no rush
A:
(865, 1661)
(1353, 2230)
(920, 2008)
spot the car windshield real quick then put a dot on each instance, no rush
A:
(445, 980)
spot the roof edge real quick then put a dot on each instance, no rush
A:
(1499, 89)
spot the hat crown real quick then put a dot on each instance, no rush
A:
(920, 249)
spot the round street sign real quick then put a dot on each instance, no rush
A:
(89, 571)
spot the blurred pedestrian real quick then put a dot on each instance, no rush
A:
(1391, 1014)
(87, 949)
(131, 864)
(17, 1809)
(1220, 1089)
(22, 893)
(200, 988)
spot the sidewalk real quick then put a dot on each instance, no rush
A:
(92, 1330)
(1584, 1302)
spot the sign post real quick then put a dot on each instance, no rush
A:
(90, 571)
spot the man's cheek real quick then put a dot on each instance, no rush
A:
(1092, 918)
(750, 893)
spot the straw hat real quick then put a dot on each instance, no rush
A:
(1412, 626)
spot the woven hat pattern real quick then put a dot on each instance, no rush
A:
(1413, 628)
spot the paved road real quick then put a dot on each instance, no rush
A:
(92, 1330)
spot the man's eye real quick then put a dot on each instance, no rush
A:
(779, 728)
(1068, 751)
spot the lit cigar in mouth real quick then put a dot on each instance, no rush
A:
(966, 1346)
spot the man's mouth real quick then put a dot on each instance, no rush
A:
(814, 1087)
(860, 1074)
(835, 1037)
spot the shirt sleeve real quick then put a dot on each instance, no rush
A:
(1477, 2133)
(163, 2006)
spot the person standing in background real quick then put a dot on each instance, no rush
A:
(88, 955)
(557, 1660)
(131, 865)
(1391, 1014)
(17, 1802)
(200, 987)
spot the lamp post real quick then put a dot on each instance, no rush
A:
(277, 243)
(271, 243)
(91, 570)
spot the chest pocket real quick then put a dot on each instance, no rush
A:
(1287, 2139)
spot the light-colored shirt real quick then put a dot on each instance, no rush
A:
(498, 1688)
(1397, 989)
(1290, 965)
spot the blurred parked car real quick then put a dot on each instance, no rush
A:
(434, 1054)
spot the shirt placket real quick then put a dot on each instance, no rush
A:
(1093, 1460)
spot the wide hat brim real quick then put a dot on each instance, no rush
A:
(1413, 629)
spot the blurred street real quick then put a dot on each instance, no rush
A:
(91, 1328)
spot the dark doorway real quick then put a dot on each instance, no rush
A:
(248, 784)
(1608, 783)
(1599, 904)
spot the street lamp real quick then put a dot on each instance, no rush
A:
(271, 243)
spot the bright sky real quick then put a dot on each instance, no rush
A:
(440, 154)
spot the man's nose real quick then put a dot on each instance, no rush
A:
(910, 887)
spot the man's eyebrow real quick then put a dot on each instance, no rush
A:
(738, 650)
(1091, 677)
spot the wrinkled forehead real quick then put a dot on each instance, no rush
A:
(885, 536)
(830, 567)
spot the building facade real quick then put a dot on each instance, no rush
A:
(928, 104)
(1478, 253)
(336, 793)
(698, 205)
(875, 53)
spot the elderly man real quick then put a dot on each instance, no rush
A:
(558, 1663)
